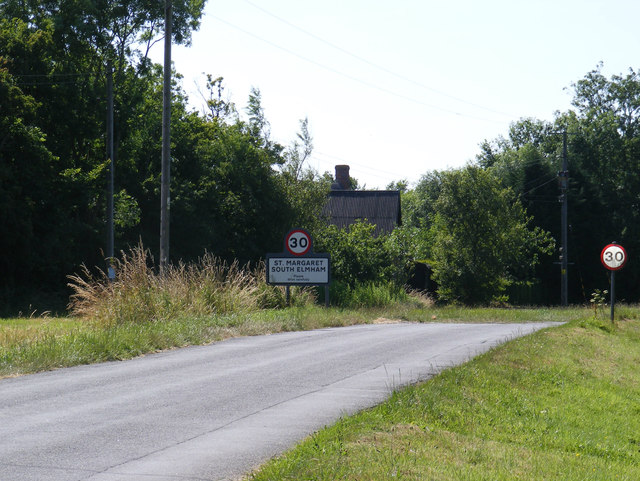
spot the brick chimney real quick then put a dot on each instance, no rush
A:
(342, 177)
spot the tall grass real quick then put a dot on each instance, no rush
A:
(140, 293)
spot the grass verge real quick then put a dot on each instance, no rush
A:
(29, 345)
(560, 404)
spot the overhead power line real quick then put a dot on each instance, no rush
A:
(541, 185)
(42, 79)
(86, 74)
(353, 78)
(342, 160)
(375, 65)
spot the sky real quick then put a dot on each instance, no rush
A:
(398, 89)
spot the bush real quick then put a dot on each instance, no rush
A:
(366, 294)
(356, 255)
(368, 270)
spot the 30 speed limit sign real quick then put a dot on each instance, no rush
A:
(298, 242)
(613, 257)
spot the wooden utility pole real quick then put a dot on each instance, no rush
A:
(165, 200)
(564, 257)
(110, 157)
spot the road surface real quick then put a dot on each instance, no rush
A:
(215, 412)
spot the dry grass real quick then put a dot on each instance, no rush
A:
(141, 294)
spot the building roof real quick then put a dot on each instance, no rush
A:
(379, 207)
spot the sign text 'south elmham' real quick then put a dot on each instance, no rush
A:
(308, 270)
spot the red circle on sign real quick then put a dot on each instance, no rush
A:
(613, 257)
(298, 242)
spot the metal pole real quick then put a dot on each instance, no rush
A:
(165, 200)
(110, 156)
(564, 261)
(613, 293)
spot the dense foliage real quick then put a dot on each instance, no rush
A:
(482, 242)
(604, 181)
(234, 191)
(485, 230)
(460, 207)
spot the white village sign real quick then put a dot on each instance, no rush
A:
(298, 264)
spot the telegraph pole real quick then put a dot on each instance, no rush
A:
(564, 255)
(165, 200)
(110, 209)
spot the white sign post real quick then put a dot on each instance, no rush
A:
(298, 265)
(613, 257)
(299, 271)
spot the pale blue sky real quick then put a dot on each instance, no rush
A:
(396, 89)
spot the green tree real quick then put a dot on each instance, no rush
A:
(306, 191)
(258, 126)
(227, 197)
(357, 256)
(109, 25)
(217, 107)
(406, 245)
(66, 212)
(482, 239)
(618, 98)
(25, 186)
(604, 163)
(418, 205)
(399, 185)
(55, 54)
(300, 150)
(603, 158)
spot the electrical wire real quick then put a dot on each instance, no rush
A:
(43, 79)
(378, 173)
(375, 65)
(544, 176)
(539, 186)
(355, 79)
(38, 84)
(86, 74)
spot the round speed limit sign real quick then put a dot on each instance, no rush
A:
(298, 242)
(613, 257)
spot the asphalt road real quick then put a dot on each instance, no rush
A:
(215, 412)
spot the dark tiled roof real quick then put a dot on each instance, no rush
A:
(379, 207)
